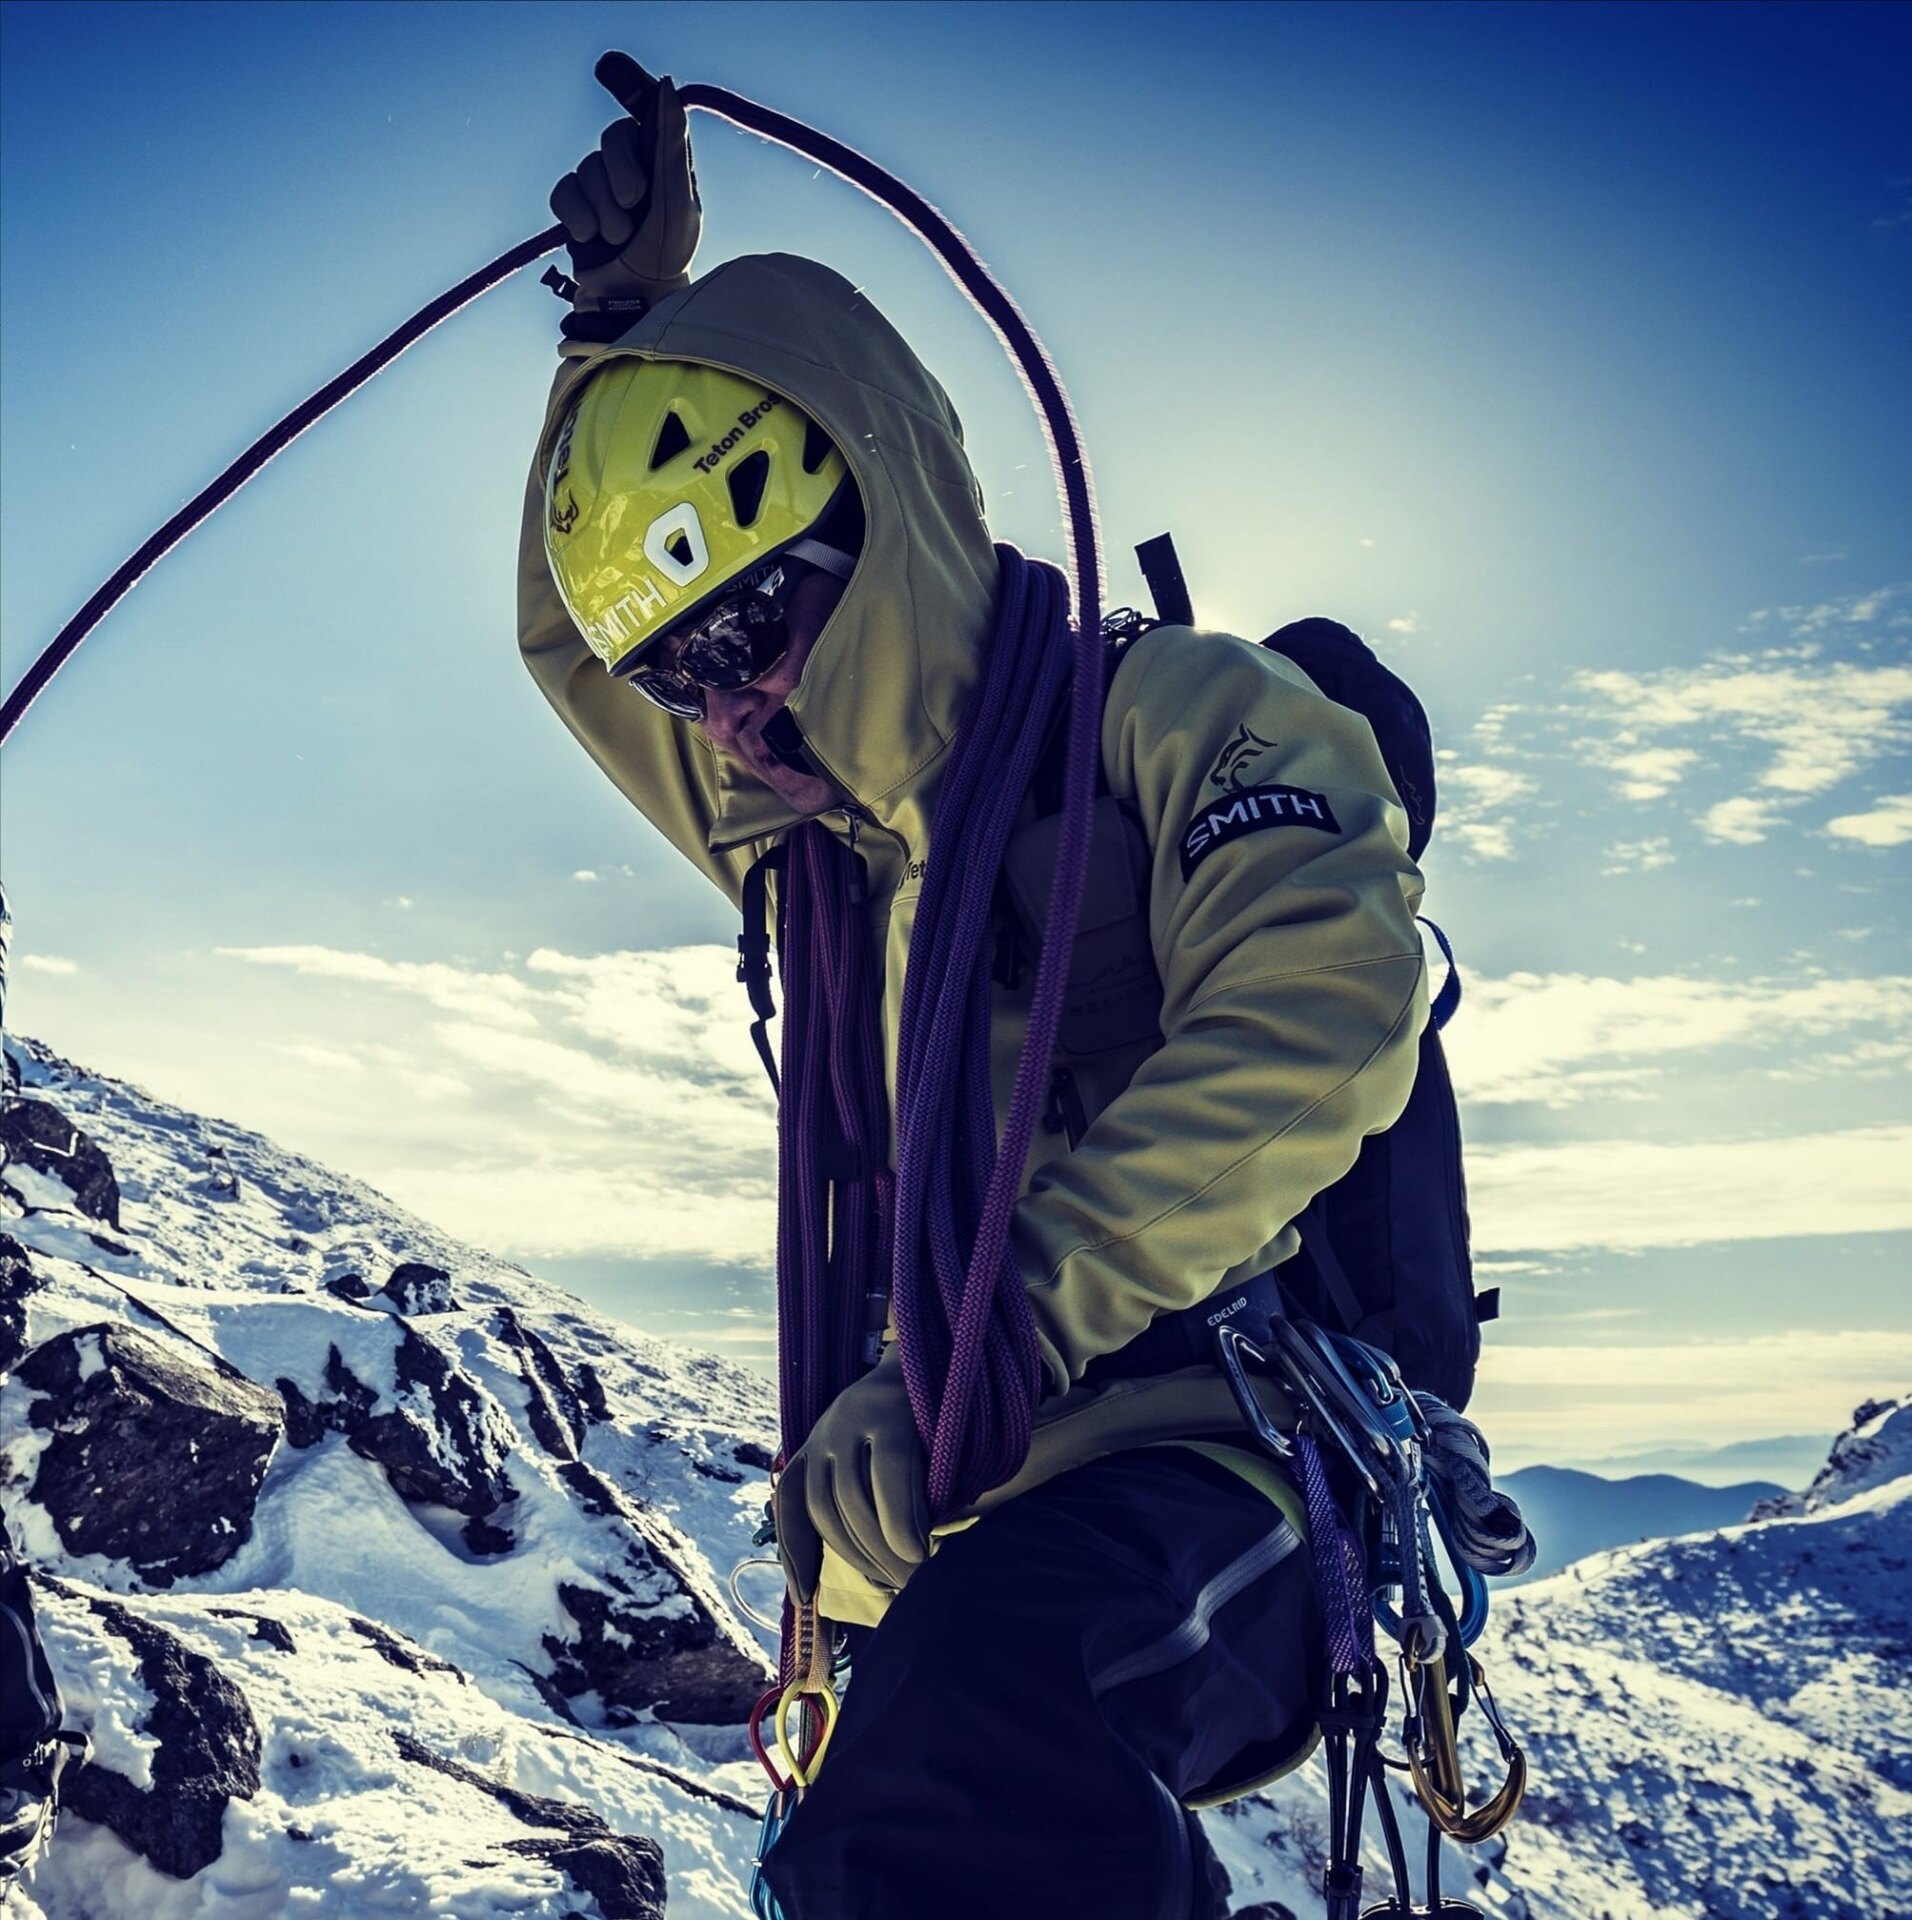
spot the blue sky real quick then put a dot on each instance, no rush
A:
(1561, 350)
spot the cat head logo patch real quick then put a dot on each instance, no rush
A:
(1231, 767)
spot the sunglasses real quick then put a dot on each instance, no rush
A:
(729, 646)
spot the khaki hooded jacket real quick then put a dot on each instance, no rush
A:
(1267, 876)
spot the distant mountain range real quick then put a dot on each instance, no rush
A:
(1790, 1458)
(1574, 1514)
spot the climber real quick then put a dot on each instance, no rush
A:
(757, 585)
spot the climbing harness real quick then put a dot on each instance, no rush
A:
(1409, 1476)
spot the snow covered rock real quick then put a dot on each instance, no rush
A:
(375, 1778)
(154, 1455)
(417, 1287)
(438, 1435)
(651, 1636)
(17, 1280)
(40, 1145)
(1874, 1450)
(192, 1749)
(498, 1527)
(1717, 1725)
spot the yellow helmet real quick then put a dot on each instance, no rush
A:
(667, 482)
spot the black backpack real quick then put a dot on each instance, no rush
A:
(1384, 1253)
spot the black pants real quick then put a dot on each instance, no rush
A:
(1019, 1733)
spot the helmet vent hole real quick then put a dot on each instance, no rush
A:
(672, 438)
(679, 548)
(817, 447)
(748, 478)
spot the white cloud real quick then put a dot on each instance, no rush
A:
(496, 999)
(1640, 1193)
(1848, 610)
(47, 963)
(1638, 856)
(1557, 1039)
(563, 1205)
(1743, 821)
(576, 1105)
(1484, 839)
(1577, 1402)
(1474, 795)
(1406, 623)
(1483, 785)
(584, 873)
(1887, 824)
(1823, 720)
(1645, 773)
(332, 1059)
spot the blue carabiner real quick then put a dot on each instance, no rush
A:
(763, 1903)
(1473, 1610)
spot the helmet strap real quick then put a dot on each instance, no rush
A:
(829, 559)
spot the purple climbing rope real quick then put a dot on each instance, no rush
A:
(936, 1238)
(834, 1186)
(970, 1355)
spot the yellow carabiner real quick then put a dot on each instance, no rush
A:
(802, 1768)
(1434, 1761)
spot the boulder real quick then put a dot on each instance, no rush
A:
(442, 1439)
(445, 1440)
(415, 1288)
(651, 1636)
(36, 1135)
(206, 1753)
(597, 1408)
(1876, 1448)
(17, 1280)
(622, 1872)
(156, 1454)
(555, 1409)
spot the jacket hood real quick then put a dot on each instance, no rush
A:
(889, 675)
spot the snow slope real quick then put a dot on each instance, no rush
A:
(401, 1706)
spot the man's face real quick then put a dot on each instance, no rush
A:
(733, 723)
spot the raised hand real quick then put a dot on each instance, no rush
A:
(630, 209)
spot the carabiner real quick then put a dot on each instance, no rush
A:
(803, 1764)
(1433, 1756)
(1235, 1349)
(1473, 1583)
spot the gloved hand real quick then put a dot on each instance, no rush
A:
(859, 1484)
(631, 208)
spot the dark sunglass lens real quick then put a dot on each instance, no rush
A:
(676, 693)
(739, 643)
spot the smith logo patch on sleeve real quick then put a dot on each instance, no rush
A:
(1250, 811)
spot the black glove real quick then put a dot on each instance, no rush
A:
(631, 208)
